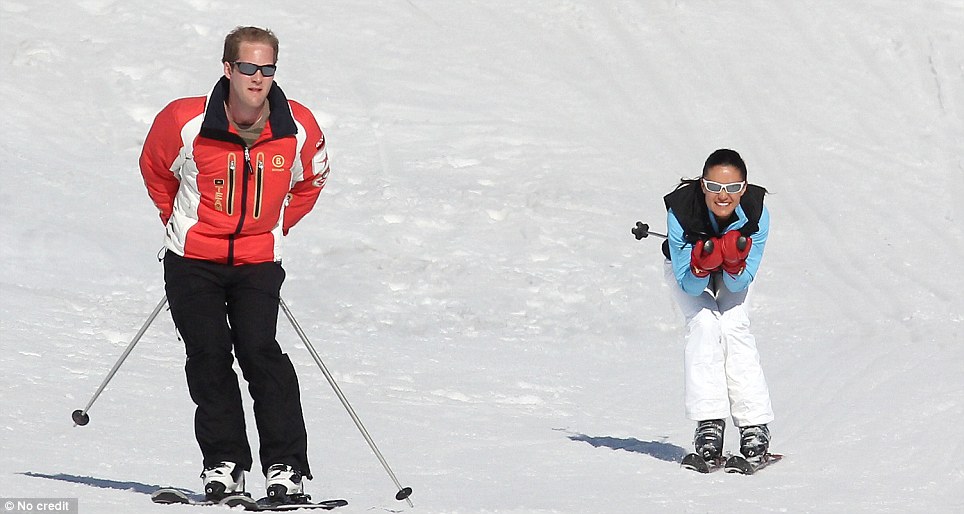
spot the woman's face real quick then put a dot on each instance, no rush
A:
(722, 203)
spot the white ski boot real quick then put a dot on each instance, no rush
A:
(223, 480)
(284, 484)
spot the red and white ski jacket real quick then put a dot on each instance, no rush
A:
(220, 200)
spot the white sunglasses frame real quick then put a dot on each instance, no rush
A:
(723, 187)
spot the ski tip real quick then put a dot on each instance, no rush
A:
(240, 500)
(695, 462)
(744, 466)
(168, 495)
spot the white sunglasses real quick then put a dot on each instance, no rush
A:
(716, 187)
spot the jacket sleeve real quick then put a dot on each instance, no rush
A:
(740, 282)
(314, 161)
(679, 251)
(160, 156)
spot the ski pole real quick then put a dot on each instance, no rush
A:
(642, 230)
(79, 416)
(403, 492)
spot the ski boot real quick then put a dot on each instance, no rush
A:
(222, 480)
(284, 484)
(709, 439)
(754, 441)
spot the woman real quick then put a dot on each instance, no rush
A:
(717, 230)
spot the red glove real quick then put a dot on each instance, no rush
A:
(707, 257)
(735, 248)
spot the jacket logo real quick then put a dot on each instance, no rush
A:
(278, 163)
(219, 194)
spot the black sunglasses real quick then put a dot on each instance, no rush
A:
(246, 68)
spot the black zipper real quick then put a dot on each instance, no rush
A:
(244, 205)
(248, 172)
(232, 182)
(258, 186)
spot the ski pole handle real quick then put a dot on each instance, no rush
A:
(641, 230)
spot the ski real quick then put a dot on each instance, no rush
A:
(265, 504)
(180, 496)
(695, 462)
(170, 495)
(744, 466)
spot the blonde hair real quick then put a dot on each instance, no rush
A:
(232, 43)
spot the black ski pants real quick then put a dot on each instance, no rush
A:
(217, 308)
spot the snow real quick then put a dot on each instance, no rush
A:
(469, 274)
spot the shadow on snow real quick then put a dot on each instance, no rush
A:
(657, 449)
(102, 483)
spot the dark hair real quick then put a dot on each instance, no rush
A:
(721, 157)
(725, 157)
(232, 42)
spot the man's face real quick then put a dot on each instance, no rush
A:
(250, 91)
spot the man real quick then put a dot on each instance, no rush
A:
(231, 173)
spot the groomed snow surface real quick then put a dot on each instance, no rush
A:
(469, 275)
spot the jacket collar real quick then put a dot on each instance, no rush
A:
(216, 126)
(689, 206)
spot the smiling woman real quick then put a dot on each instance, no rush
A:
(723, 181)
(718, 228)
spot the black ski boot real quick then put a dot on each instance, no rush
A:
(754, 441)
(709, 439)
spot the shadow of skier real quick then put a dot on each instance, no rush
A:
(657, 449)
(102, 483)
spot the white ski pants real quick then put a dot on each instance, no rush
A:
(722, 371)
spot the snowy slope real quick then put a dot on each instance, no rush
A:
(469, 274)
